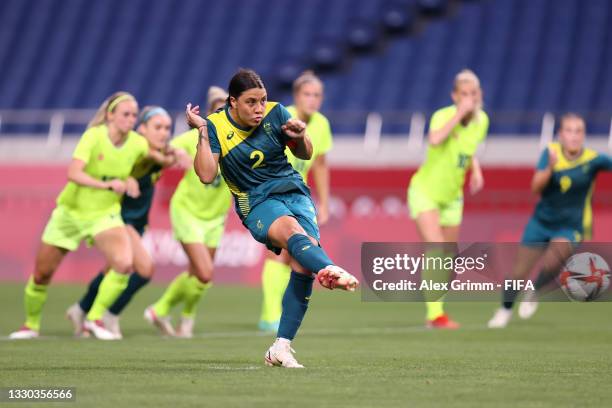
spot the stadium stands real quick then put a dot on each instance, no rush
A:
(533, 56)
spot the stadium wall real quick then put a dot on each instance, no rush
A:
(367, 205)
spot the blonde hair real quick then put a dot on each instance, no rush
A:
(214, 94)
(109, 105)
(149, 111)
(306, 77)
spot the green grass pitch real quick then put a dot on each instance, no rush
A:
(356, 354)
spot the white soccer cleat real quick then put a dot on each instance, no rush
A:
(76, 315)
(111, 322)
(280, 354)
(185, 328)
(24, 333)
(162, 323)
(528, 306)
(500, 319)
(334, 277)
(97, 328)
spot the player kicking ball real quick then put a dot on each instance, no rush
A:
(247, 140)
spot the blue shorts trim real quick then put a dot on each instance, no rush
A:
(538, 232)
(275, 206)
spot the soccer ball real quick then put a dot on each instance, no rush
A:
(585, 276)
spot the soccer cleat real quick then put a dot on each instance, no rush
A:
(97, 328)
(500, 319)
(24, 333)
(76, 315)
(334, 277)
(265, 326)
(185, 328)
(528, 306)
(111, 322)
(280, 354)
(442, 322)
(162, 323)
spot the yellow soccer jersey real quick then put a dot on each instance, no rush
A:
(205, 201)
(103, 161)
(442, 175)
(321, 136)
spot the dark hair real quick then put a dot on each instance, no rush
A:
(571, 115)
(243, 80)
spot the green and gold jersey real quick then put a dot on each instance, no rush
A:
(205, 201)
(321, 136)
(566, 199)
(103, 161)
(442, 175)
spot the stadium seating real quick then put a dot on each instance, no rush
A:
(533, 56)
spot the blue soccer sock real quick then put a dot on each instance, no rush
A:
(92, 291)
(295, 304)
(312, 257)
(134, 284)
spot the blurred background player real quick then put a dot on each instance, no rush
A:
(198, 214)
(248, 140)
(435, 194)
(564, 179)
(307, 99)
(155, 125)
(89, 209)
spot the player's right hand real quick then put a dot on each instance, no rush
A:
(466, 106)
(116, 185)
(132, 188)
(194, 120)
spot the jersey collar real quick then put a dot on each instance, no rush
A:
(236, 125)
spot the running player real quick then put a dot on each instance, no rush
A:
(564, 178)
(248, 139)
(198, 214)
(307, 96)
(89, 209)
(435, 194)
(154, 124)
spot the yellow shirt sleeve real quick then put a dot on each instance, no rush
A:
(85, 146)
(326, 141)
(440, 117)
(185, 141)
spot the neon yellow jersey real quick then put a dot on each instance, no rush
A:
(442, 175)
(103, 161)
(204, 201)
(321, 136)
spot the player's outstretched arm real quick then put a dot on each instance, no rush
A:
(476, 177)
(300, 144)
(206, 162)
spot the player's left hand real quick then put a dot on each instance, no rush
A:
(294, 128)
(476, 182)
(183, 160)
(131, 187)
(194, 120)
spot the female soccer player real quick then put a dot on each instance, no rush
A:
(198, 214)
(564, 178)
(248, 139)
(307, 96)
(89, 208)
(435, 194)
(154, 124)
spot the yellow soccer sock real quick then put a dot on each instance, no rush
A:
(110, 288)
(34, 299)
(274, 279)
(194, 291)
(173, 295)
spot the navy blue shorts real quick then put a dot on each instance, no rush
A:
(538, 232)
(296, 205)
